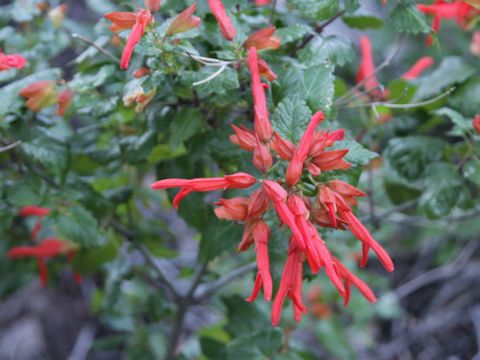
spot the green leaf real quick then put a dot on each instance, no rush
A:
(243, 317)
(351, 5)
(292, 33)
(407, 18)
(338, 50)
(227, 80)
(317, 9)
(79, 226)
(139, 147)
(187, 122)
(24, 192)
(462, 125)
(291, 118)
(409, 156)
(399, 192)
(471, 170)
(51, 152)
(465, 98)
(9, 93)
(316, 87)
(218, 236)
(362, 21)
(452, 70)
(357, 153)
(444, 185)
(87, 261)
(213, 349)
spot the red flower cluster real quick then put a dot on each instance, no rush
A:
(46, 248)
(332, 207)
(11, 61)
(460, 10)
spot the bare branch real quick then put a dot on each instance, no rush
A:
(10, 146)
(211, 77)
(99, 48)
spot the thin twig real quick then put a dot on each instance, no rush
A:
(99, 48)
(318, 30)
(10, 146)
(151, 261)
(272, 14)
(211, 77)
(404, 106)
(205, 294)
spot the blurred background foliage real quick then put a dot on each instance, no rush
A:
(93, 167)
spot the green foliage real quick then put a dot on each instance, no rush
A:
(405, 17)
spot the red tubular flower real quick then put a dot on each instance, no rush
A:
(123, 21)
(11, 61)
(290, 285)
(294, 170)
(139, 73)
(226, 25)
(366, 70)
(153, 5)
(235, 181)
(327, 197)
(346, 191)
(263, 39)
(34, 211)
(245, 138)
(261, 235)
(350, 278)
(476, 123)
(232, 209)
(361, 232)
(263, 127)
(40, 94)
(48, 247)
(332, 160)
(420, 66)
(282, 147)
(262, 2)
(262, 159)
(275, 192)
(184, 21)
(64, 100)
(317, 253)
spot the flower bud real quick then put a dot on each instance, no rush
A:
(265, 71)
(153, 5)
(245, 138)
(184, 21)
(232, 209)
(476, 123)
(139, 73)
(64, 100)
(282, 147)
(263, 39)
(247, 237)
(40, 95)
(261, 232)
(225, 23)
(257, 204)
(262, 159)
(57, 14)
(274, 191)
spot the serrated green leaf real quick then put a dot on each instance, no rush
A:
(458, 120)
(218, 236)
(316, 87)
(292, 33)
(78, 225)
(466, 97)
(444, 185)
(337, 49)
(87, 261)
(409, 156)
(452, 70)
(471, 170)
(317, 9)
(357, 153)
(407, 18)
(291, 118)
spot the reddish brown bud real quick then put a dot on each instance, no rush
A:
(64, 101)
(139, 73)
(282, 147)
(40, 95)
(245, 138)
(261, 232)
(476, 123)
(232, 209)
(184, 21)
(262, 159)
(263, 39)
(153, 5)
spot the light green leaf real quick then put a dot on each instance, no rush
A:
(292, 33)
(407, 18)
(291, 118)
(357, 153)
(362, 21)
(317, 9)
(79, 226)
(337, 49)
